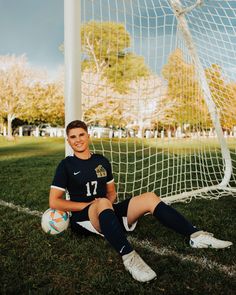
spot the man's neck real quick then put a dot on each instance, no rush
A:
(83, 155)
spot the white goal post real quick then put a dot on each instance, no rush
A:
(72, 56)
(156, 83)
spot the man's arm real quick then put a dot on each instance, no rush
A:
(57, 202)
(111, 192)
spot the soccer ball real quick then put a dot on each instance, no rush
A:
(54, 221)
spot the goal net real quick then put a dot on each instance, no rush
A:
(159, 94)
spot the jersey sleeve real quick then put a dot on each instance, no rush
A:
(110, 177)
(60, 177)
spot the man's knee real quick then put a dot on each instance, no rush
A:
(103, 204)
(155, 197)
(152, 197)
(95, 209)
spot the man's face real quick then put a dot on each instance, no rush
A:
(78, 139)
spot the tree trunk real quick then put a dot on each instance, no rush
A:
(140, 129)
(10, 118)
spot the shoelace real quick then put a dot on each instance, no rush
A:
(138, 263)
(207, 233)
(204, 233)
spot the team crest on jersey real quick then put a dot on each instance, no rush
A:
(100, 171)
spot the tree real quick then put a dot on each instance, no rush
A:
(15, 75)
(146, 103)
(104, 106)
(224, 96)
(103, 43)
(46, 102)
(184, 88)
(101, 104)
(105, 47)
(26, 93)
(115, 81)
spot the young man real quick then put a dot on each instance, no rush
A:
(88, 179)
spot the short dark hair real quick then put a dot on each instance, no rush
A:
(76, 124)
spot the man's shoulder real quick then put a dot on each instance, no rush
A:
(67, 160)
(100, 157)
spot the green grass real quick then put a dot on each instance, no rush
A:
(36, 263)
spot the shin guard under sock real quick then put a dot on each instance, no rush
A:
(113, 232)
(172, 219)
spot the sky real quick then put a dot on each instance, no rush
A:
(36, 28)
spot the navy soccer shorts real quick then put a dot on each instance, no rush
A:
(81, 224)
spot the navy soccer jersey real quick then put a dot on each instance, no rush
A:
(85, 180)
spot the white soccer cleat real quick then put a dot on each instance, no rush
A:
(139, 270)
(202, 239)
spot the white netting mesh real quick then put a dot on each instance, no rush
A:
(152, 94)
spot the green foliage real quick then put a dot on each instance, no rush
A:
(25, 95)
(124, 70)
(104, 41)
(183, 86)
(14, 77)
(224, 96)
(46, 103)
(111, 113)
(105, 46)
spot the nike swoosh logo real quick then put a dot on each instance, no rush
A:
(75, 173)
(122, 249)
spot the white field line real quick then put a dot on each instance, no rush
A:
(20, 209)
(145, 244)
(202, 262)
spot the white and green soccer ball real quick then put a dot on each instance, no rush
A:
(54, 221)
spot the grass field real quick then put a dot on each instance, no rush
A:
(35, 263)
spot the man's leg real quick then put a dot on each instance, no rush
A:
(168, 216)
(172, 219)
(105, 221)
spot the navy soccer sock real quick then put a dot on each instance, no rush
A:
(171, 218)
(113, 232)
